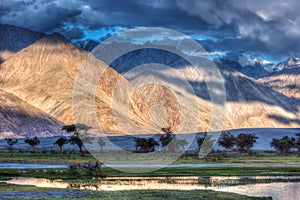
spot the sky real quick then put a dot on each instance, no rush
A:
(268, 29)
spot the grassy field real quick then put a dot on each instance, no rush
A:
(32, 192)
(28, 157)
(80, 175)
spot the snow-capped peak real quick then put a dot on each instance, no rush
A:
(290, 62)
(246, 60)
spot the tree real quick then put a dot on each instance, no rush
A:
(167, 137)
(101, 143)
(11, 142)
(200, 141)
(297, 143)
(145, 145)
(167, 130)
(69, 128)
(177, 145)
(61, 141)
(245, 142)
(32, 142)
(205, 145)
(227, 140)
(284, 145)
(75, 139)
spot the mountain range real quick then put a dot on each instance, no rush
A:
(14, 38)
(38, 72)
(253, 67)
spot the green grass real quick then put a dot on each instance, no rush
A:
(217, 157)
(214, 171)
(28, 157)
(260, 158)
(45, 193)
(80, 176)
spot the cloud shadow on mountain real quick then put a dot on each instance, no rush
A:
(284, 120)
(238, 87)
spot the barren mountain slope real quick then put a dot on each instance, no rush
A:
(286, 82)
(14, 38)
(44, 73)
(18, 118)
(249, 103)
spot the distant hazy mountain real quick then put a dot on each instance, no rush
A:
(254, 70)
(259, 68)
(252, 67)
(291, 62)
(89, 45)
(14, 38)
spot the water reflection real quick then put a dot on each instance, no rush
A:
(38, 182)
(278, 190)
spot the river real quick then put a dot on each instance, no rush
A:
(285, 189)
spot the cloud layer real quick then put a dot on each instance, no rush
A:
(259, 27)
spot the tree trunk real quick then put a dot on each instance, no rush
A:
(81, 152)
(60, 150)
(206, 158)
(11, 152)
(69, 154)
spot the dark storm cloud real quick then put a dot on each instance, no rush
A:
(46, 15)
(267, 26)
(270, 26)
(70, 33)
(37, 15)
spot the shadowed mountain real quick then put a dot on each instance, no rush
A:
(14, 38)
(249, 103)
(255, 71)
(286, 82)
(18, 118)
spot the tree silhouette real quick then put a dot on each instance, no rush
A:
(60, 142)
(167, 130)
(145, 145)
(177, 145)
(245, 142)
(170, 142)
(297, 143)
(167, 137)
(227, 140)
(32, 142)
(101, 143)
(75, 138)
(11, 142)
(283, 145)
(205, 145)
(200, 141)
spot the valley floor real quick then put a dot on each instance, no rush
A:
(114, 157)
(8, 191)
(284, 168)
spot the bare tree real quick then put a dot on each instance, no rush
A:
(11, 142)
